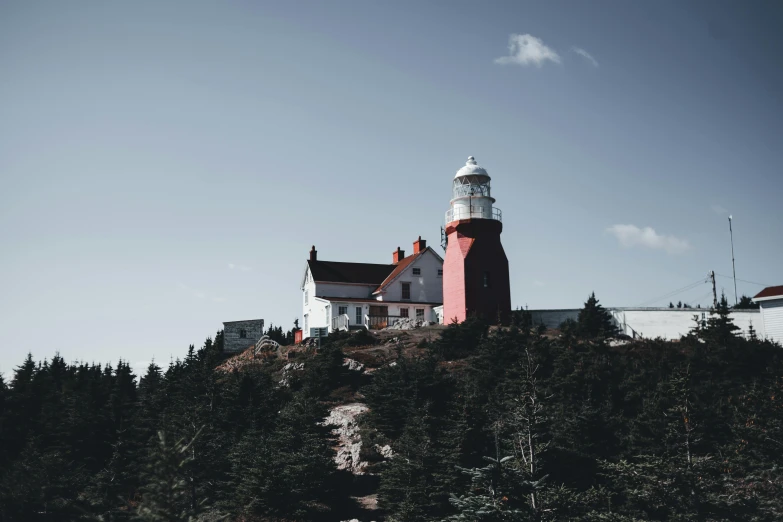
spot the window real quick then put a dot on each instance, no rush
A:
(440, 272)
(342, 310)
(417, 271)
(486, 279)
(403, 312)
(305, 296)
(242, 333)
(358, 315)
(406, 290)
(420, 314)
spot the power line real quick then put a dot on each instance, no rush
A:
(705, 296)
(675, 292)
(743, 280)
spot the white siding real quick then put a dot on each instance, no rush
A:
(336, 304)
(671, 324)
(425, 288)
(345, 290)
(437, 314)
(772, 314)
(651, 323)
(314, 309)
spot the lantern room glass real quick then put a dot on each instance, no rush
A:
(471, 186)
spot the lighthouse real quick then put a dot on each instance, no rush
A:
(475, 272)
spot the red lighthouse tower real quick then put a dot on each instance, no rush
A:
(475, 272)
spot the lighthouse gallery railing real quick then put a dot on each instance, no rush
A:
(455, 214)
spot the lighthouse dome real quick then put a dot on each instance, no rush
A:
(471, 168)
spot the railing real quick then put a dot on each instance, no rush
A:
(378, 322)
(340, 322)
(457, 213)
(265, 344)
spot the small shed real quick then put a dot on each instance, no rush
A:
(771, 302)
(238, 336)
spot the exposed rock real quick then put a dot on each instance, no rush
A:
(408, 323)
(353, 364)
(349, 443)
(384, 451)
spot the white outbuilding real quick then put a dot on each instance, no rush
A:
(771, 302)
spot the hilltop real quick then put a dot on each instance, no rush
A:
(463, 422)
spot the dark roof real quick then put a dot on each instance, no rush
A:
(399, 267)
(338, 272)
(770, 291)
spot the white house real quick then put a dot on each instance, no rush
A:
(771, 302)
(338, 295)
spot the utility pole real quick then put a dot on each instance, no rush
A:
(734, 271)
(714, 291)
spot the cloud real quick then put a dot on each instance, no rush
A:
(632, 236)
(718, 209)
(584, 54)
(525, 49)
(538, 283)
(219, 299)
(243, 268)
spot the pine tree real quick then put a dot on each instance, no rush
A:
(166, 495)
(528, 421)
(752, 336)
(746, 303)
(720, 327)
(497, 493)
(405, 489)
(594, 321)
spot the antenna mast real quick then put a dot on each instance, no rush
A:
(734, 270)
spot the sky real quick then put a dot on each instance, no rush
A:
(166, 166)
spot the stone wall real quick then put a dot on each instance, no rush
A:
(233, 340)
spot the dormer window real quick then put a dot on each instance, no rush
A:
(417, 271)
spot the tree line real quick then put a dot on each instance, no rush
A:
(486, 424)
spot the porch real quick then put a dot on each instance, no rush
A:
(377, 317)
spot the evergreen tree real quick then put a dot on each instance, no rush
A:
(166, 495)
(497, 493)
(594, 321)
(720, 327)
(746, 303)
(405, 489)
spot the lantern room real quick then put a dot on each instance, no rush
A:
(471, 194)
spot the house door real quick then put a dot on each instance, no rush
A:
(378, 316)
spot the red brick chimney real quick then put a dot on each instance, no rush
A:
(313, 254)
(398, 255)
(419, 245)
